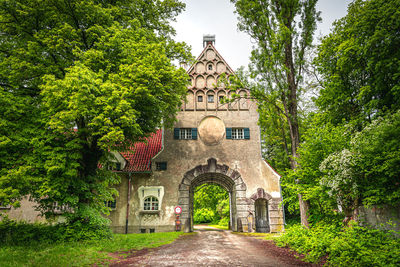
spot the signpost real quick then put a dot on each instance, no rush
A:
(178, 211)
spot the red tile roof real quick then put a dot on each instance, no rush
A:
(140, 154)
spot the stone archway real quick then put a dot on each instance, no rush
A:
(215, 173)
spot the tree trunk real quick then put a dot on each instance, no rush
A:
(291, 109)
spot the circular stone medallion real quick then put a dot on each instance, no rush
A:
(211, 130)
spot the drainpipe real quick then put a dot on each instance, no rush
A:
(283, 205)
(127, 204)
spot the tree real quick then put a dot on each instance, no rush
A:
(283, 31)
(358, 62)
(94, 74)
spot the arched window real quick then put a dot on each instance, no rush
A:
(150, 203)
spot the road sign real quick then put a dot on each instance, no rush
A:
(178, 210)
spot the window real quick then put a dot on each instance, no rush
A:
(210, 98)
(142, 230)
(185, 133)
(114, 166)
(161, 166)
(200, 98)
(221, 98)
(111, 204)
(237, 133)
(151, 198)
(210, 67)
(150, 203)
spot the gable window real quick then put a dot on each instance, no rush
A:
(185, 133)
(210, 98)
(161, 166)
(237, 133)
(200, 98)
(150, 203)
(210, 67)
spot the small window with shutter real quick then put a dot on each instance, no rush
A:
(237, 133)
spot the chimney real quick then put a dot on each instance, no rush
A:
(208, 39)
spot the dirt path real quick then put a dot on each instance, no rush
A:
(213, 247)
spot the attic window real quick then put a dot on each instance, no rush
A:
(210, 67)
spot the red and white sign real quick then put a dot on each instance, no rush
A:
(178, 210)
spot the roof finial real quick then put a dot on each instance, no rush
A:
(208, 39)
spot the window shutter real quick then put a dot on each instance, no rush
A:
(228, 133)
(176, 133)
(113, 204)
(194, 133)
(246, 133)
(163, 166)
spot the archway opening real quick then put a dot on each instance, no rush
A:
(211, 205)
(261, 215)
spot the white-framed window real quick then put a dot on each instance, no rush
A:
(185, 133)
(150, 198)
(150, 203)
(237, 133)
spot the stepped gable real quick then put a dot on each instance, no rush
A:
(139, 155)
(205, 72)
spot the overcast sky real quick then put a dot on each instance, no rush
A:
(217, 17)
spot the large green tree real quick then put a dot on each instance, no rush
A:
(86, 76)
(359, 63)
(283, 32)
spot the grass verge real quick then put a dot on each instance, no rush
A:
(83, 253)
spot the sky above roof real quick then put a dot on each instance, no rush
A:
(217, 17)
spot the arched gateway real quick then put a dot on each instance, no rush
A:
(216, 174)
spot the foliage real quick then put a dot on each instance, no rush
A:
(211, 204)
(23, 233)
(359, 62)
(204, 215)
(319, 141)
(82, 78)
(80, 253)
(349, 246)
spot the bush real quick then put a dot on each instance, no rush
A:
(203, 215)
(23, 233)
(349, 246)
(224, 221)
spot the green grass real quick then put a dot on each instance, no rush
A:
(266, 236)
(219, 226)
(81, 253)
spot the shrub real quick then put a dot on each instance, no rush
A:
(349, 246)
(23, 233)
(203, 215)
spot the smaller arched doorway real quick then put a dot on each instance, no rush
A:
(262, 206)
(261, 215)
(213, 173)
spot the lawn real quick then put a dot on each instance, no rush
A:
(81, 253)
